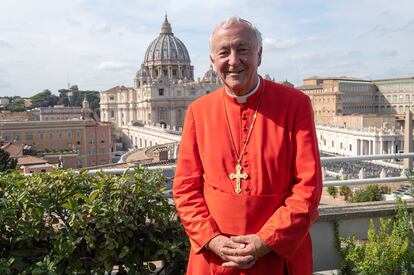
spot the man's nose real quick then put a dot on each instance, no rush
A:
(234, 58)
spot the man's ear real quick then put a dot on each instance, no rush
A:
(259, 58)
(211, 59)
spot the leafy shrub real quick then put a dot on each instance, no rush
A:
(333, 191)
(67, 222)
(6, 162)
(372, 192)
(390, 250)
(345, 191)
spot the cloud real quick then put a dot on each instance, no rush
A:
(409, 26)
(111, 66)
(284, 44)
(5, 44)
(73, 22)
(388, 53)
(100, 28)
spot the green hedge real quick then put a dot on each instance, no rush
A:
(68, 222)
(388, 250)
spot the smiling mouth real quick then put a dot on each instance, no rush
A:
(235, 73)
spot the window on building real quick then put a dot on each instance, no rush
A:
(29, 137)
(102, 150)
(92, 151)
(333, 143)
(178, 93)
(41, 136)
(161, 91)
(112, 114)
(51, 135)
(60, 135)
(17, 137)
(350, 147)
(162, 114)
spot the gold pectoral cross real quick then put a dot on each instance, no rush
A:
(238, 177)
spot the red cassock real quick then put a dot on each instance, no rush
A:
(280, 197)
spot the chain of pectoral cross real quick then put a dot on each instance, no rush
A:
(238, 176)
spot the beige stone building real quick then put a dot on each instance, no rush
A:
(4, 101)
(396, 95)
(360, 117)
(57, 112)
(341, 96)
(92, 141)
(163, 87)
(338, 96)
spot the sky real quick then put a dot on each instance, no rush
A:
(99, 44)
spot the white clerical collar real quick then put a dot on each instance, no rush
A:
(243, 98)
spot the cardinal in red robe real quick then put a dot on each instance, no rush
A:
(248, 169)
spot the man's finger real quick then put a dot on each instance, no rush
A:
(231, 244)
(240, 260)
(232, 264)
(235, 251)
(240, 239)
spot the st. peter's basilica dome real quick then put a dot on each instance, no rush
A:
(167, 57)
(167, 47)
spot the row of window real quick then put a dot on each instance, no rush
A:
(341, 145)
(92, 151)
(41, 136)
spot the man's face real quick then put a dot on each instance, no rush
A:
(235, 54)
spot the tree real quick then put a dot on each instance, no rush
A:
(44, 99)
(6, 162)
(16, 107)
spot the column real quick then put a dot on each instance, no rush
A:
(358, 149)
(408, 140)
(369, 147)
(173, 120)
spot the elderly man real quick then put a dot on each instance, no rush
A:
(248, 179)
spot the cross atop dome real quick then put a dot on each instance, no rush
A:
(166, 27)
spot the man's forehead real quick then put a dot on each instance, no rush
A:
(234, 43)
(234, 35)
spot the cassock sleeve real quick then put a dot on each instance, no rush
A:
(188, 189)
(290, 223)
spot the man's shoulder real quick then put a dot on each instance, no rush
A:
(207, 101)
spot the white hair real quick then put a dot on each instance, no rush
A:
(233, 20)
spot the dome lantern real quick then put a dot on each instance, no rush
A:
(166, 27)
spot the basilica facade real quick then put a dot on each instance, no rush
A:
(163, 88)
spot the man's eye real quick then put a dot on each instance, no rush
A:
(221, 54)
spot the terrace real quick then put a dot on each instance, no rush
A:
(336, 218)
